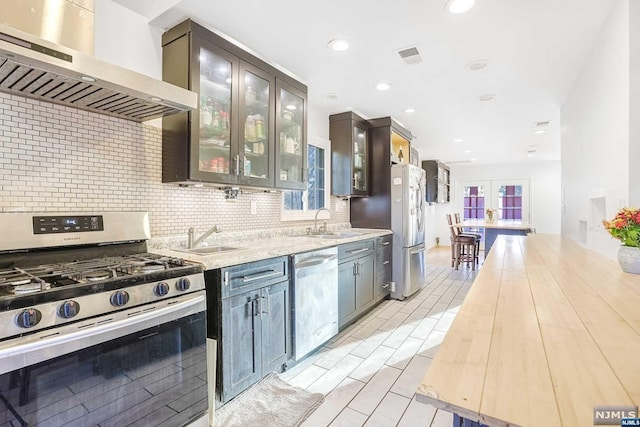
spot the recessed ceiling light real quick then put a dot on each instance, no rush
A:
(478, 64)
(339, 44)
(529, 154)
(88, 79)
(467, 151)
(473, 159)
(290, 107)
(457, 140)
(459, 6)
(331, 96)
(539, 131)
(486, 97)
(410, 110)
(155, 99)
(382, 86)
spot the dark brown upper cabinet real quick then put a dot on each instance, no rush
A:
(349, 135)
(245, 106)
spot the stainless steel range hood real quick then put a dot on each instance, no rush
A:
(36, 68)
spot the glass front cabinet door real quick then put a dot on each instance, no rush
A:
(256, 130)
(216, 154)
(359, 159)
(250, 127)
(291, 137)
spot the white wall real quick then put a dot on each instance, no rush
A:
(125, 38)
(544, 183)
(595, 136)
(634, 104)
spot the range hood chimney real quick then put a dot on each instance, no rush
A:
(36, 68)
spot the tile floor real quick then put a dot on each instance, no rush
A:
(370, 371)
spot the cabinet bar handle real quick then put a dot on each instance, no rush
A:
(385, 262)
(386, 243)
(385, 286)
(258, 302)
(266, 298)
(226, 278)
(261, 275)
(359, 250)
(238, 164)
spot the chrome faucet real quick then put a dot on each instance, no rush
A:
(323, 228)
(191, 243)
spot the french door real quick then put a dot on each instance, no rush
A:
(509, 198)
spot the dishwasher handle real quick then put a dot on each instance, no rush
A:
(318, 260)
(321, 264)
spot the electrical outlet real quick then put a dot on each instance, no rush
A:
(254, 207)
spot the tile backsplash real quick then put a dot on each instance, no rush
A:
(55, 158)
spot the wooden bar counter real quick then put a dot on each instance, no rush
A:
(549, 330)
(496, 228)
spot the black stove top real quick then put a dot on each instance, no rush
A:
(50, 282)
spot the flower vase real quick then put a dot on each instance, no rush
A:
(489, 218)
(629, 259)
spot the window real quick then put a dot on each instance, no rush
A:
(510, 202)
(473, 202)
(302, 205)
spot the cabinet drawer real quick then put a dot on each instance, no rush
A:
(356, 249)
(383, 259)
(383, 285)
(245, 277)
(384, 241)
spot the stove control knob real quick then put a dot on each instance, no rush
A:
(69, 309)
(183, 284)
(119, 298)
(29, 318)
(161, 289)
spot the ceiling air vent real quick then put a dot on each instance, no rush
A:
(540, 127)
(410, 55)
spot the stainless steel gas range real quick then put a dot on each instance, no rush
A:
(94, 330)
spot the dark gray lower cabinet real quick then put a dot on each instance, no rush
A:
(364, 277)
(249, 315)
(356, 284)
(383, 266)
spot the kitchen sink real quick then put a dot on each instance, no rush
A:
(207, 250)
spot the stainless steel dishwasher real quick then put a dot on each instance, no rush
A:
(315, 299)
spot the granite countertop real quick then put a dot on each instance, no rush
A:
(257, 245)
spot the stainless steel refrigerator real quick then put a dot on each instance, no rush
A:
(407, 223)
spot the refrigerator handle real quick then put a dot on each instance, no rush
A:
(417, 249)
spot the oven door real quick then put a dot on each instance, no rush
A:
(142, 366)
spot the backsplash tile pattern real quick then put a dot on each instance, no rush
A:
(54, 158)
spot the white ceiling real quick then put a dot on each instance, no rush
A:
(535, 49)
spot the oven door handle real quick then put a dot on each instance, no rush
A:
(39, 347)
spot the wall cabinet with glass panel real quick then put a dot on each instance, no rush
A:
(231, 139)
(349, 137)
(438, 181)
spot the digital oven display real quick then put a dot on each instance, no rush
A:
(67, 224)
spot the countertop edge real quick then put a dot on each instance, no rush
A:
(258, 249)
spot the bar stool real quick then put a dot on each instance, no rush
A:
(477, 236)
(463, 248)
